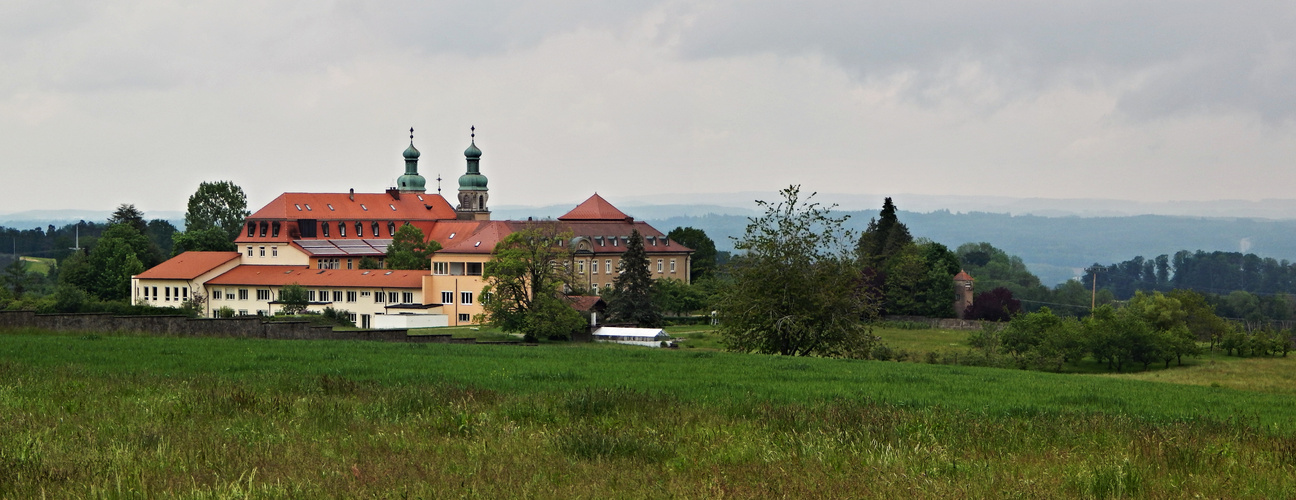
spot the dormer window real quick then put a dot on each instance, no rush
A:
(359, 230)
(274, 229)
(264, 227)
(251, 229)
(391, 229)
(341, 229)
(324, 228)
(374, 227)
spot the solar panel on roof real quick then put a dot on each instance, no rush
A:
(312, 243)
(361, 251)
(327, 251)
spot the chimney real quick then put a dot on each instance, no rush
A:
(395, 193)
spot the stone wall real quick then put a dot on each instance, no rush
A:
(180, 326)
(941, 323)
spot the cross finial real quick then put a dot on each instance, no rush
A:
(438, 183)
(411, 136)
(472, 133)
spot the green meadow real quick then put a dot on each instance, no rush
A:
(122, 416)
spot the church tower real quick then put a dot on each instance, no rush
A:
(411, 182)
(472, 185)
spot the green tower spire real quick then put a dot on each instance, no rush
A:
(472, 185)
(411, 182)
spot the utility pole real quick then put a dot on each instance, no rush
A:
(1093, 297)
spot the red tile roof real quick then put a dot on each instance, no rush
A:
(365, 206)
(305, 276)
(963, 276)
(595, 208)
(586, 303)
(188, 265)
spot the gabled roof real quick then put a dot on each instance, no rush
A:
(252, 275)
(483, 240)
(358, 206)
(595, 208)
(188, 265)
(586, 303)
(962, 276)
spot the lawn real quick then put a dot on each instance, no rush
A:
(40, 265)
(133, 416)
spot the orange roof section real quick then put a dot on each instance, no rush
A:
(253, 275)
(188, 265)
(963, 276)
(483, 240)
(595, 208)
(364, 207)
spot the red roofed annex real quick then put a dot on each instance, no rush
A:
(316, 240)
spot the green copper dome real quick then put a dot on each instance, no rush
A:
(473, 180)
(411, 181)
(411, 153)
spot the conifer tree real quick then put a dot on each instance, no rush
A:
(632, 291)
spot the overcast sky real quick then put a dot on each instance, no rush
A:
(103, 103)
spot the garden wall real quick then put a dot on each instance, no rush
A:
(247, 327)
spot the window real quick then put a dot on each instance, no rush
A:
(324, 229)
(659, 265)
(672, 265)
(474, 268)
(349, 263)
(323, 296)
(330, 205)
(274, 251)
(607, 266)
(580, 267)
(251, 229)
(216, 294)
(440, 268)
(168, 293)
(249, 251)
(378, 297)
(407, 297)
(374, 227)
(593, 266)
(364, 293)
(594, 288)
(342, 229)
(263, 294)
(464, 318)
(308, 208)
(310, 295)
(359, 230)
(298, 206)
(457, 268)
(264, 226)
(327, 263)
(242, 312)
(184, 292)
(465, 298)
(362, 207)
(263, 251)
(447, 297)
(391, 297)
(351, 296)
(274, 229)
(391, 229)
(243, 294)
(337, 295)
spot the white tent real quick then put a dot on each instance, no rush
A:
(650, 337)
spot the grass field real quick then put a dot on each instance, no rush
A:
(40, 265)
(128, 416)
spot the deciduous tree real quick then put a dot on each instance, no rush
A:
(525, 279)
(703, 260)
(409, 250)
(797, 289)
(293, 298)
(217, 204)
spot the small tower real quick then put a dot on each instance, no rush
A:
(411, 182)
(472, 185)
(962, 293)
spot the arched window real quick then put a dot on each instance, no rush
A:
(359, 230)
(341, 229)
(251, 229)
(274, 229)
(391, 229)
(375, 229)
(264, 226)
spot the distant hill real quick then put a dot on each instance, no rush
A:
(58, 218)
(1057, 248)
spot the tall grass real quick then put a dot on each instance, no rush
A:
(114, 416)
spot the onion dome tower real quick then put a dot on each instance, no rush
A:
(411, 182)
(472, 185)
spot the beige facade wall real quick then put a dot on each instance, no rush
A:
(597, 272)
(457, 277)
(272, 254)
(157, 293)
(362, 302)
